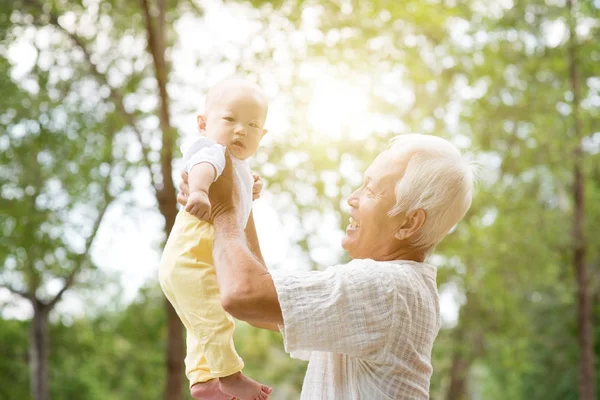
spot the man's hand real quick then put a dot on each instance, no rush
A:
(198, 205)
(257, 186)
(223, 193)
(223, 196)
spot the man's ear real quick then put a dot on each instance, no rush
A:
(412, 224)
(201, 122)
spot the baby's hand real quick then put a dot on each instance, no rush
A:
(198, 205)
(257, 186)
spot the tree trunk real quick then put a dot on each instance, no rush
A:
(165, 193)
(587, 379)
(458, 377)
(467, 341)
(38, 352)
(175, 356)
(461, 356)
(175, 334)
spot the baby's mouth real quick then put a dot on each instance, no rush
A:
(238, 143)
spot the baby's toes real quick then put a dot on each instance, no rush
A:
(266, 389)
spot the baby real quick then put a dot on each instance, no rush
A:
(235, 114)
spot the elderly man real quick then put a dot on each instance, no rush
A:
(366, 327)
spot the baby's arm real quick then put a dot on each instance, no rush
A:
(204, 161)
(200, 178)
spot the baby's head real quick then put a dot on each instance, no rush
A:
(234, 116)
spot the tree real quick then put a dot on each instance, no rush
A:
(587, 379)
(52, 211)
(106, 69)
(485, 75)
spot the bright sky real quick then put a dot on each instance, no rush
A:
(127, 245)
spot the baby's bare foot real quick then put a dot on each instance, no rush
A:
(243, 388)
(209, 390)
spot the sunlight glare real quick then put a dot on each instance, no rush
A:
(337, 107)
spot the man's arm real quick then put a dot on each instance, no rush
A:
(247, 289)
(252, 239)
(266, 326)
(254, 246)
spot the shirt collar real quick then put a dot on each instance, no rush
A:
(423, 268)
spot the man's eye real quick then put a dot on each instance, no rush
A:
(228, 119)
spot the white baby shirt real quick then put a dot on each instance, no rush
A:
(199, 149)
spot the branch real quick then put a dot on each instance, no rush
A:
(82, 258)
(161, 18)
(33, 276)
(15, 291)
(156, 47)
(115, 94)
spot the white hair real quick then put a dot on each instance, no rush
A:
(437, 179)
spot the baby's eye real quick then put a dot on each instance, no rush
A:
(253, 125)
(228, 119)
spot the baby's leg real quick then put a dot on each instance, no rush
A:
(196, 368)
(235, 385)
(203, 386)
(210, 349)
(213, 355)
(177, 251)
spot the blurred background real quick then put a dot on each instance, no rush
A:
(97, 94)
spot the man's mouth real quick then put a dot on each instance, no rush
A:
(353, 223)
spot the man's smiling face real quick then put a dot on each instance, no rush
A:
(371, 231)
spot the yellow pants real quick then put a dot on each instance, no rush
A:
(187, 277)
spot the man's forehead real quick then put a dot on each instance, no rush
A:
(388, 165)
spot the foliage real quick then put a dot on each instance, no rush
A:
(490, 76)
(118, 355)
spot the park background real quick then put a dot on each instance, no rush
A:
(95, 96)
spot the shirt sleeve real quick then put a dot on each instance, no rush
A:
(200, 149)
(347, 309)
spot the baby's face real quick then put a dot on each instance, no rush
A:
(235, 119)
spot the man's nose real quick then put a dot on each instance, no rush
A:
(352, 200)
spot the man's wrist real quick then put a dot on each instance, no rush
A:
(227, 232)
(226, 221)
